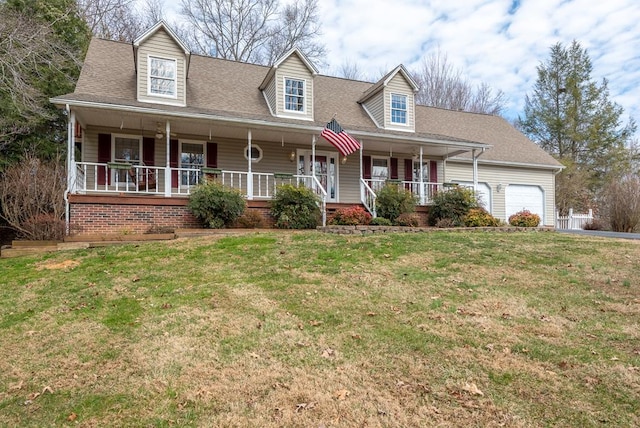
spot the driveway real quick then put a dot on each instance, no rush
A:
(602, 233)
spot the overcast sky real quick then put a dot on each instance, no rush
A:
(499, 42)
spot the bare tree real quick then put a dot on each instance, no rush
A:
(443, 85)
(257, 31)
(31, 53)
(112, 19)
(350, 70)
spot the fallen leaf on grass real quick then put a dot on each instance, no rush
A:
(315, 323)
(305, 406)
(356, 336)
(328, 353)
(72, 417)
(341, 394)
(472, 389)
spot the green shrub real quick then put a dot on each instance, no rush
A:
(351, 216)
(453, 205)
(479, 217)
(295, 207)
(251, 219)
(524, 218)
(380, 221)
(217, 206)
(393, 200)
(407, 219)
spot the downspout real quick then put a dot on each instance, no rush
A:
(68, 189)
(475, 168)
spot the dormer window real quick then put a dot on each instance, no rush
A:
(294, 95)
(399, 109)
(162, 77)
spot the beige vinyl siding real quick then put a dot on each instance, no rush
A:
(375, 107)
(398, 85)
(294, 68)
(270, 94)
(505, 175)
(161, 45)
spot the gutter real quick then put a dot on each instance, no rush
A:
(556, 168)
(264, 123)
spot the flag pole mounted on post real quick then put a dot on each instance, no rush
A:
(337, 136)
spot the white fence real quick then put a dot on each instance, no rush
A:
(573, 220)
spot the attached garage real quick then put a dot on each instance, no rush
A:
(520, 197)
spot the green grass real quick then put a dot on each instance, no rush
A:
(267, 329)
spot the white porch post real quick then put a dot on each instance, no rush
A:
(361, 171)
(313, 155)
(72, 152)
(475, 170)
(71, 167)
(167, 168)
(421, 169)
(249, 172)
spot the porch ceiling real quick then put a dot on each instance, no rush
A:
(189, 128)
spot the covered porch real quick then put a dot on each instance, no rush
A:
(164, 155)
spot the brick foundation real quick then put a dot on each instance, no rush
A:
(127, 215)
(116, 214)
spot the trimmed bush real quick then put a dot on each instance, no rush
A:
(295, 207)
(380, 221)
(594, 224)
(351, 216)
(524, 218)
(407, 219)
(452, 205)
(215, 205)
(393, 200)
(251, 219)
(479, 217)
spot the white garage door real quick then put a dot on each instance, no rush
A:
(519, 197)
(484, 193)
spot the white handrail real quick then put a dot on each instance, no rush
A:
(368, 197)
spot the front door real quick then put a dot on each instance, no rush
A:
(326, 169)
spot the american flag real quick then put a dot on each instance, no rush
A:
(344, 142)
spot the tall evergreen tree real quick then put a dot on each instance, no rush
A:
(571, 116)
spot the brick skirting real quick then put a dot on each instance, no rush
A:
(122, 214)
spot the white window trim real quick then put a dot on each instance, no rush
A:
(388, 159)
(175, 79)
(304, 96)
(406, 111)
(204, 154)
(128, 136)
(253, 146)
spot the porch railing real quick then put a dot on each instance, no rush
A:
(423, 191)
(368, 197)
(99, 177)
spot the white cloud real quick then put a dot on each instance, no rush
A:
(488, 42)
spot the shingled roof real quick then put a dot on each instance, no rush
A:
(231, 89)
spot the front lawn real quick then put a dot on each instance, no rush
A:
(306, 329)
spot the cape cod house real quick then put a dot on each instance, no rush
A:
(148, 120)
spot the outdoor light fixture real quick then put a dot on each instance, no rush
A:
(292, 156)
(343, 160)
(499, 187)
